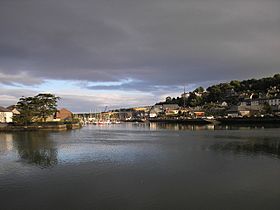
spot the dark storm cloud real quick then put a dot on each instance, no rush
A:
(158, 42)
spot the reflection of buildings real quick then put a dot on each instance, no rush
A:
(6, 142)
(251, 146)
(178, 126)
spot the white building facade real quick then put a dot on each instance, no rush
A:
(6, 116)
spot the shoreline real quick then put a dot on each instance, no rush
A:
(222, 121)
(248, 121)
(60, 127)
(182, 121)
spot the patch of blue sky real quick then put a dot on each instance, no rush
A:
(57, 85)
(111, 83)
(80, 87)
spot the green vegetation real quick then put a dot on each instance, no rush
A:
(231, 92)
(35, 109)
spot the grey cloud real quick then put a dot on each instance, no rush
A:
(159, 42)
(21, 78)
(10, 96)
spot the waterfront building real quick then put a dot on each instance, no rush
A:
(6, 115)
(238, 111)
(63, 114)
(13, 108)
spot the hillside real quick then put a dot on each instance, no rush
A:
(231, 92)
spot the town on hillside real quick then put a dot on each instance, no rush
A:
(234, 100)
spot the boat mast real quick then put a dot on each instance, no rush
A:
(184, 96)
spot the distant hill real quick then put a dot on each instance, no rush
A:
(231, 92)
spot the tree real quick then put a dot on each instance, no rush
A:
(168, 99)
(215, 94)
(27, 110)
(199, 90)
(46, 105)
(194, 100)
(38, 107)
(235, 84)
(266, 109)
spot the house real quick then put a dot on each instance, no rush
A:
(238, 111)
(13, 108)
(157, 109)
(274, 101)
(63, 114)
(199, 114)
(164, 108)
(125, 115)
(253, 105)
(6, 116)
(224, 104)
(170, 107)
(153, 114)
(172, 112)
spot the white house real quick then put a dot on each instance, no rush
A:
(153, 114)
(274, 102)
(6, 116)
(13, 109)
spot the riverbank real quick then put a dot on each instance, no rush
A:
(222, 121)
(46, 127)
(249, 120)
(183, 121)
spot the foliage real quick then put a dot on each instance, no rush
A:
(27, 109)
(199, 90)
(46, 105)
(231, 92)
(36, 108)
(266, 109)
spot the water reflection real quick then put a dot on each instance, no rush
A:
(251, 146)
(46, 149)
(31, 147)
(178, 127)
(6, 142)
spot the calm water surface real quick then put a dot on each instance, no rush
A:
(141, 166)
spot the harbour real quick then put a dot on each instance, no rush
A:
(141, 166)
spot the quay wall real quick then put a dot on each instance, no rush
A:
(60, 127)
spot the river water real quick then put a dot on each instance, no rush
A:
(141, 166)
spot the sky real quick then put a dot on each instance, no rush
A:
(125, 53)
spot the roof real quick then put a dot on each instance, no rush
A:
(11, 107)
(170, 106)
(3, 109)
(65, 110)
